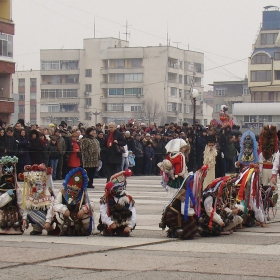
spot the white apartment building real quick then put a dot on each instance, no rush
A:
(263, 76)
(109, 81)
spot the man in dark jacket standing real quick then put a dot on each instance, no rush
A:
(114, 159)
(11, 144)
(139, 155)
(68, 146)
(159, 148)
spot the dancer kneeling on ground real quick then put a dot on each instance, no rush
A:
(38, 195)
(117, 211)
(10, 197)
(73, 210)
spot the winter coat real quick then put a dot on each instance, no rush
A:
(159, 147)
(2, 146)
(74, 159)
(23, 151)
(61, 145)
(45, 155)
(90, 151)
(36, 149)
(102, 144)
(130, 143)
(53, 151)
(139, 149)
(230, 152)
(149, 152)
(11, 145)
(112, 156)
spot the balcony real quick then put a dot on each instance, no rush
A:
(6, 105)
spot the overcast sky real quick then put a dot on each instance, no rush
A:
(224, 30)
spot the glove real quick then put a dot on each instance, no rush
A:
(10, 193)
(222, 155)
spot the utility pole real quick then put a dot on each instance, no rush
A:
(126, 30)
(96, 114)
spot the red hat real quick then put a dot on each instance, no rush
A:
(118, 179)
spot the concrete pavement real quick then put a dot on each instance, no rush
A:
(251, 253)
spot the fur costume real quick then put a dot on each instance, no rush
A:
(117, 207)
(38, 195)
(10, 198)
(180, 214)
(74, 197)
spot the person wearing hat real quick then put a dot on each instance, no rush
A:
(53, 153)
(62, 148)
(209, 159)
(36, 147)
(117, 210)
(139, 155)
(72, 207)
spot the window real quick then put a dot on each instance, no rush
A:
(257, 119)
(70, 93)
(59, 93)
(88, 72)
(198, 67)
(261, 76)
(33, 121)
(32, 109)
(197, 81)
(49, 65)
(180, 93)
(180, 79)
(88, 88)
(116, 91)
(190, 66)
(261, 59)
(172, 77)
(119, 63)
(186, 109)
(6, 45)
(133, 91)
(180, 107)
(32, 95)
(218, 108)
(21, 82)
(21, 109)
(87, 115)
(88, 101)
(173, 92)
(69, 64)
(136, 62)
(246, 91)
(221, 92)
(133, 77)
(169, 107)
(277, 55)
(136, 108)
(21, 97)
(53, 108)
(187, 80)
(33, 82)
(115, 107)
(118, 78)
(268, 38)
(181, 64)
(277, 75)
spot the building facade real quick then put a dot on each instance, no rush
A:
(109, 81)
(7, 66)
(263, 76)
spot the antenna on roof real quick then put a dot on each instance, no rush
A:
(126, 30)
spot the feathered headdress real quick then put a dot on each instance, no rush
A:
(268, 139)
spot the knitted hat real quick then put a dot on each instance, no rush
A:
(118, 180)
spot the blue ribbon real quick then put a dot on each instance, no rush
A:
(189, 195)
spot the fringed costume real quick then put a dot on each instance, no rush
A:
(117, 210)
(38, 196)
(180, 214)
(217, 205)
(10, 198)
(72, 207)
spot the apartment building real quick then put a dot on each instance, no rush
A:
(7, 66)
(263, 76)
(26, 89)
(109, 81)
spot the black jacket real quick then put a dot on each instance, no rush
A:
(112, 156)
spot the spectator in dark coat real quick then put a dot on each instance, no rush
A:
(114, 159)
(100, 137)
(149, 157)
(53, 155)
(11, 144)
(129, 142)
(200, 147)
(139, 155)
(17, 129)
(223, 147)
(2, 142)
(45, 144)
(159, 148)
(68, 144)
(36, 147)
(23, 152)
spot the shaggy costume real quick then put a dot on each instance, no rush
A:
(216, 207)
(38, 194)
(10, 198)
(117, 207)
(209, 159)
(180, 214)
(173, 179)
(268, 147)
(74, 198)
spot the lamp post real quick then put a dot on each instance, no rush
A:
(194, 95)
(96, 114)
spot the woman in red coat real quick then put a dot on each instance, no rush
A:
(74, 158)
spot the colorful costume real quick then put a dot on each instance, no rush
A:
(72, 207)
(180, 214)
(38, 194)
(172, 180)
(10, 197)
(216, 207)
(117, 210)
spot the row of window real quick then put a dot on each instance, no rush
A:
(60, 79)
(257, 119)
(59, 108)
(268, 38)
(6, 45)
(124, 91)
(59, 93)
(123, 63)
(120, 78)
(119, 107)
(33, 82)
(21, 109)
(177, 107)
(59, 64)
(264, 58)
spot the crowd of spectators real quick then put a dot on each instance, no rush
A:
(132, 145)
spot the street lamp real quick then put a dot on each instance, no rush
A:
(194, 95)
(96, 114)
